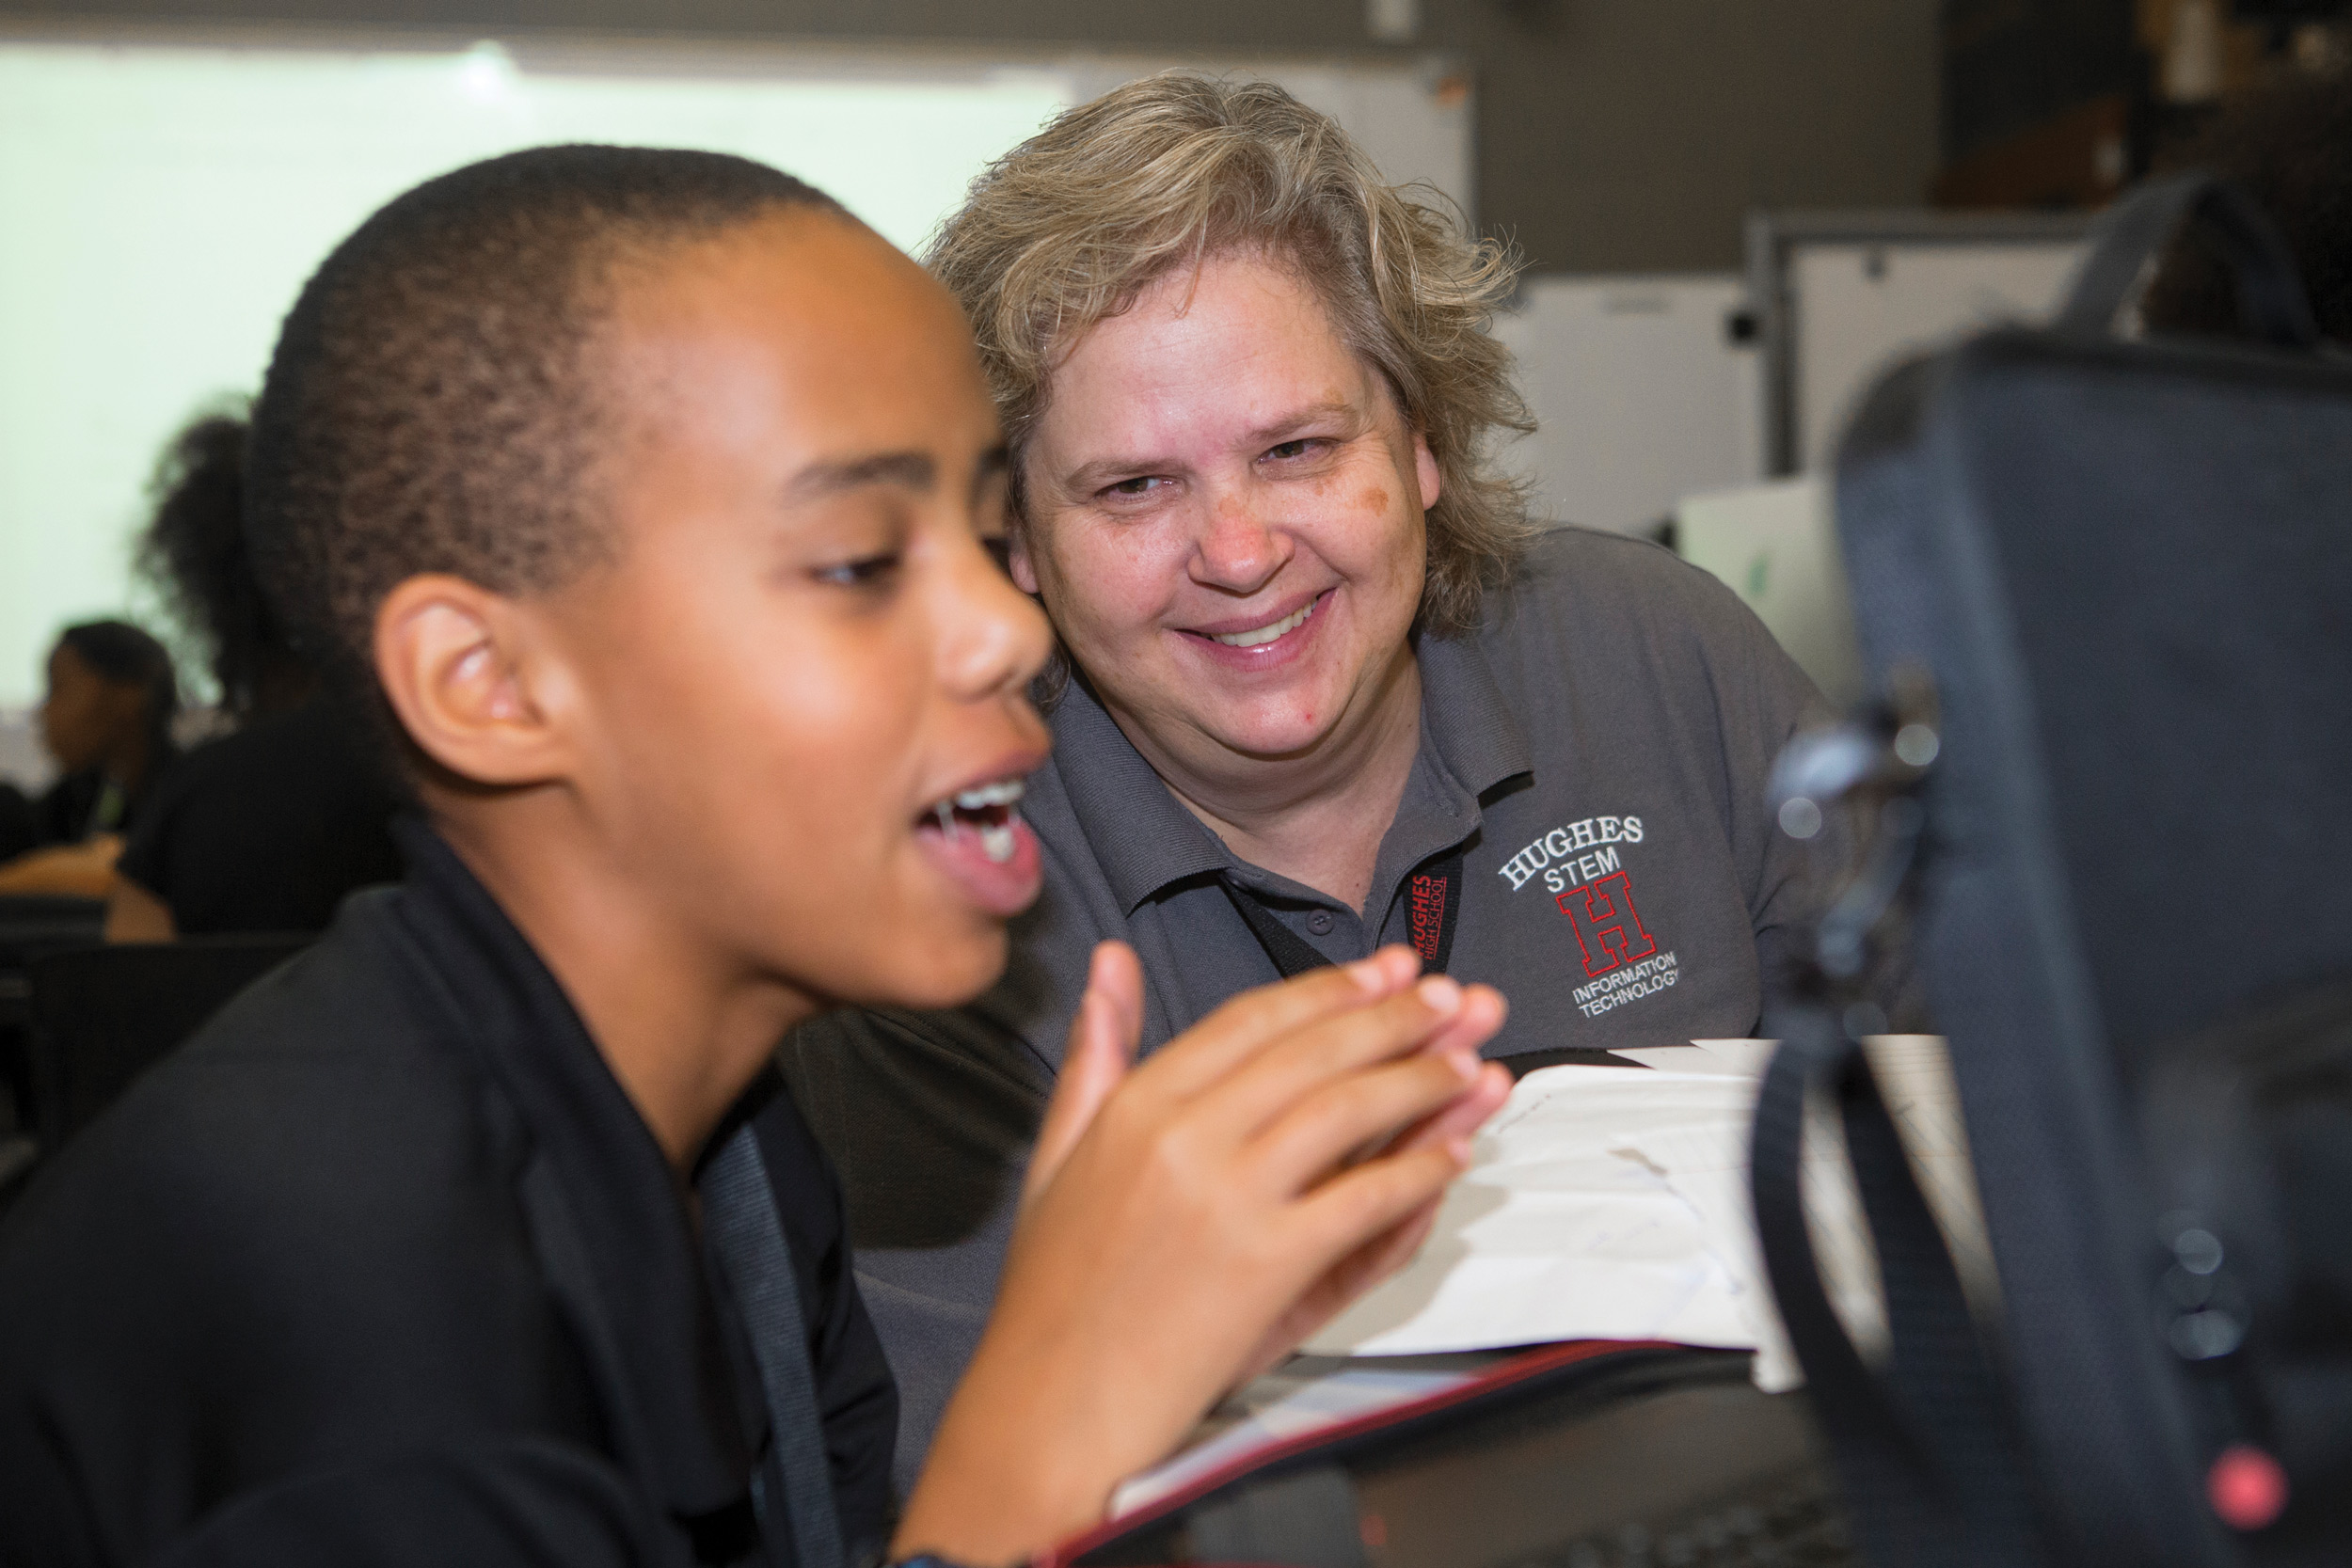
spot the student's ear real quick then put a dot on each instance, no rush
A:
(474, 682)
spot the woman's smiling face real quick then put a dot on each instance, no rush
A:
(1223, 514)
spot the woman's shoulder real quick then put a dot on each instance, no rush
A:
(1581, 586)
(1570, 565)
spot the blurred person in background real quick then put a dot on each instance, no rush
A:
(2290, 145)
(107, 719)
(268, 828)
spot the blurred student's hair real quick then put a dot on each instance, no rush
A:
(1070, 226)
(194, 552)
(434, 404)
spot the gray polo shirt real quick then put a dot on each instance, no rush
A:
(1597, 753)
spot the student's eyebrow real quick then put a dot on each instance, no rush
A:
(1089, 477)
(911, 470)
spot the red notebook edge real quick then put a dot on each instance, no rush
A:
(1528, 1363)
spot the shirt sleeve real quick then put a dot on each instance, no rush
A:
(1762, 700)
(1766, 700)
(147, 857)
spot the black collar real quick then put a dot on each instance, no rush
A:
(629, 1211)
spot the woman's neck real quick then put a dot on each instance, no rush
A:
(1317, 818)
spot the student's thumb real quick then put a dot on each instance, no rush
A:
(1103, 1041)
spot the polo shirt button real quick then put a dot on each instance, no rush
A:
(1320, 923)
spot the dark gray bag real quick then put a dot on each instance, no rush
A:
(2107, 586)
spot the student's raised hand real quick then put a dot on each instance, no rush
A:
(1103, 1041)
(1188, 1220)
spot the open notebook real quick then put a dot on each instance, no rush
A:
(1611, 1203)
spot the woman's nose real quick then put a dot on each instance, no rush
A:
(1237, 549)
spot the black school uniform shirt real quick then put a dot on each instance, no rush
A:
(384, 1267)
(265, 830)
(1597, 753)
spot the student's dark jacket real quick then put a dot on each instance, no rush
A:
(383, 1268)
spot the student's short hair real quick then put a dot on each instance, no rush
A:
(433, 405)
(2290, 144)
(1070, 226)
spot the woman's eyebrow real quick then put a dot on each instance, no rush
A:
(911, 470)
(1274, 431)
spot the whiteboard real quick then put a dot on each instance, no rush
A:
(164, 195)
(1860, 307)
(1640, 395)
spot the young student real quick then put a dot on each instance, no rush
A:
(106, 719)
(645, 494)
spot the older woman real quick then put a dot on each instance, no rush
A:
(1326, 688)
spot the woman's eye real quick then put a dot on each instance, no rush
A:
(1136, 489)
(865, 572)
(1288, 450)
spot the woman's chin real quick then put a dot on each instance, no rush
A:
(1276, 735)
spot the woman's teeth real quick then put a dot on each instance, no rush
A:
(1267, 633)
(989, 809)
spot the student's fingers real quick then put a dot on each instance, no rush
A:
(1481, 1018)
(1306, 1142)
(1346, 1279)
(1289, 1070)
(1245, 1025)
(1363, 1268)
(1102, 1040)
(1465, 1115)
(1365, 1201)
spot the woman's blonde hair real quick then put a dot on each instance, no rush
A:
(1070, 226)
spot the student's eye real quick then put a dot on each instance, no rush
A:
(871, 571)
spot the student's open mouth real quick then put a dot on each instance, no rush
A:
(975, 835)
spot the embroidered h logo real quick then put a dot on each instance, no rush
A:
(1608, 930)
